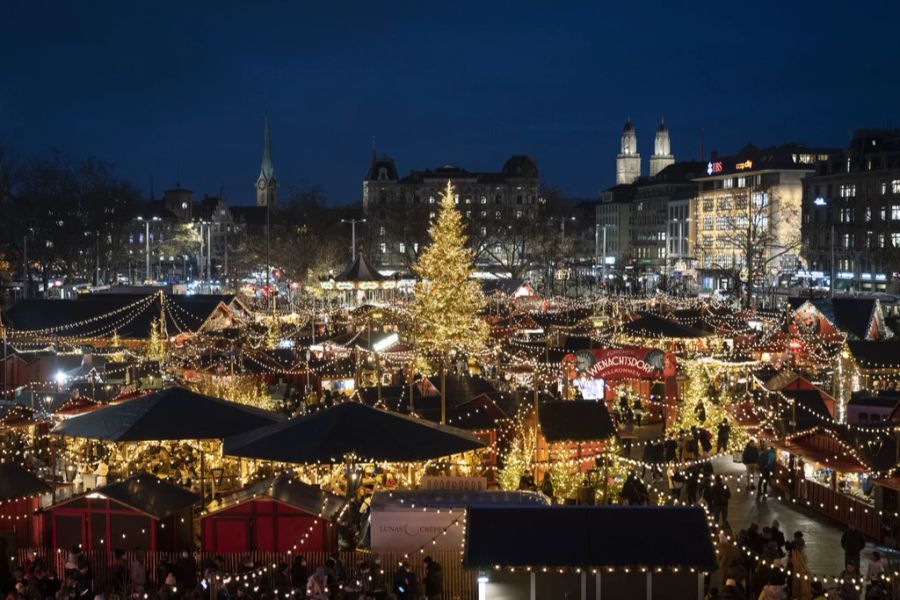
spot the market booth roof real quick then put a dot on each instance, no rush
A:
(144, 493)
(649, 325)
(17, 482)
(353, 429)
(173, 413)
(292, 492)
(575, 421)
(588, 536)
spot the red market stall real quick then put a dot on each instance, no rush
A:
(139, 512)
(277, 515)
(20, 493)
(643, 366)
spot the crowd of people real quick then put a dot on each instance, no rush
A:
(186, 579)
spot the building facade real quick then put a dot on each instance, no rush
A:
(745, 219)
(399, 209)
(851, 214)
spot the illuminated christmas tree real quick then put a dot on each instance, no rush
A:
(447, 300)
(697, 391)
(155, 347)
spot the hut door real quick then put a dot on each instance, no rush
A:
(70, 530)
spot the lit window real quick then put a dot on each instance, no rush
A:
(430, 199)
(868, 214)
(484, 199)
(881, 240)
(895, 240)
(381, 231)
(484, 231)
(848, 190)
(518, 214)
(383, 247)
(883, 188)
(402, 248)
(431, 215)
(895, 212)
(742, 182)
(895, 186)
(728, 183)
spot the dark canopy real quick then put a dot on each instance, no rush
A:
(649, 325)
(588, 536)
(131, 316)
(351, 428)
(17, 482)
(575, 421)
(149, 495)
(174, 413)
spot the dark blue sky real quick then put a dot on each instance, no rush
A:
(162, 88)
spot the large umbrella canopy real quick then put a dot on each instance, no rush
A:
(369, 434)
(174, 413)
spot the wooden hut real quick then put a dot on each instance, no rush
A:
(657, 552)
(139, 512)
(276, 515)
(20, 492)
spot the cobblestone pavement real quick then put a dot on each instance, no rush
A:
(823, 536)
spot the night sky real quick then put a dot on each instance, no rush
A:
(180, 88)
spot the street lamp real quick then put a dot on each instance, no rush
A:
(147, 244)
(353, 223)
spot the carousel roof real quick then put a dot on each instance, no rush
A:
(359, 269)
(173, 413)
(353, 429)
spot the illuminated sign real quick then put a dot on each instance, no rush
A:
(713, 167)
(747, 164)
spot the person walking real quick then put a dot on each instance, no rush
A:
(434, 580)
(852, 541)
(405, 586)
(749, 457)
(766, 464)
(720, 494)
(723, 432)
(800, 575)
(138, 573)
(849, 586)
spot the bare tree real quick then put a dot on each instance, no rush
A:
(757, 237)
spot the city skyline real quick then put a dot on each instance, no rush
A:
(185, 92)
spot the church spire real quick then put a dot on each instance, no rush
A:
(266, 184)
(266, 169)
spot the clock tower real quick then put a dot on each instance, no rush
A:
(266, 183)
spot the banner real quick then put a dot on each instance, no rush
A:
(623, 363)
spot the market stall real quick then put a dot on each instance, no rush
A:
(139, 512)
(276, 515)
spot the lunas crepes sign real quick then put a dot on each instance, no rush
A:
(623, 363)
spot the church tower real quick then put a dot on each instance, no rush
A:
(628, 163)
(266, 183)
(662, 152)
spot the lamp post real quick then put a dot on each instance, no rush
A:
(353, 223)
(147, 244)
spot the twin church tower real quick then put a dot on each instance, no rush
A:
(628, 162)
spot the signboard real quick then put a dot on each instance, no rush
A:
(432, 482)
(713, 167)
(747, 164)
(409, 530)
(623, 363)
